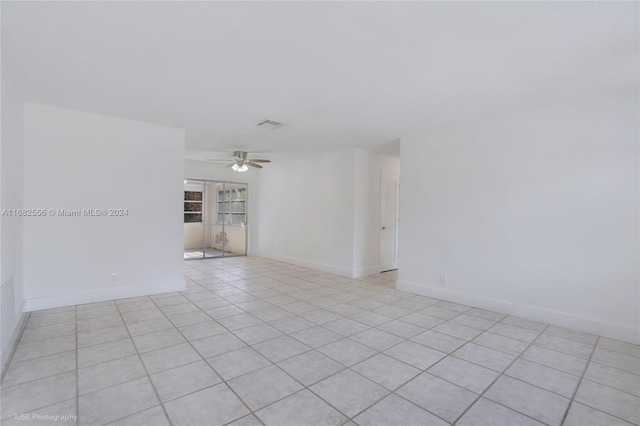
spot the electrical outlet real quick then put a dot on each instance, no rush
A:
(114, 277)
(443, 279)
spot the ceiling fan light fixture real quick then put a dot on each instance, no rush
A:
(240, 168)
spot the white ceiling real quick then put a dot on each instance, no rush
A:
(340, 74)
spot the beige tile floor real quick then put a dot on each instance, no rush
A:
(253, 341)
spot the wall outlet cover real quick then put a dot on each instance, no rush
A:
(443, 279)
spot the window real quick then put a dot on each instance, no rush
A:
(192, 206)
(232, 206)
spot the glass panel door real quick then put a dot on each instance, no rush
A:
(215, 219)
(234, 218)
(214, 228)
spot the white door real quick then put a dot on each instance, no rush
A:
(389, 203)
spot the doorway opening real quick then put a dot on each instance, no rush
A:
(215, 219)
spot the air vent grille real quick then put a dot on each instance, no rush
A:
(270, 124)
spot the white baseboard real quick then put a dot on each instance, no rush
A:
(101, 295)
(344, 272)
(15, 334)
(586, 324)
(363, 272)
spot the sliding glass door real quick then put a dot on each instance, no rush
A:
(222, 219)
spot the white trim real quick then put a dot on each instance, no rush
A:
(344, 272)
(562, 319)
(15, 334)
(363, 272)
(101, 295)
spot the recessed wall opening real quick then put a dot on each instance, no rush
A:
(215, 219)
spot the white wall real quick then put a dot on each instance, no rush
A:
(11, 181)
(193, 236)
(306, 209)
(366, 238)
(322, 210)
(534, 214)
(76, 160)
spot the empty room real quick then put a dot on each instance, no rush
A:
(320, 213)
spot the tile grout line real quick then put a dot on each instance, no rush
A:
(275, 364)
(423, 371)
(145, 370)
(584, 371)
(497, 378)
(376, 327)
(191, 302)
(389, 392)
(202, 359)
(500, 373)
(528, 343)
(378, 352)
(304, 387)
(285, 372)
(393, 392)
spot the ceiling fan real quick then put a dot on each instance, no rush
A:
(241, 162)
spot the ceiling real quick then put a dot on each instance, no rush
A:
(339, 74)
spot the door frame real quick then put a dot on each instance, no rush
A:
(247, 222)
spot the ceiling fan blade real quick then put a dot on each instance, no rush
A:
(240, 159)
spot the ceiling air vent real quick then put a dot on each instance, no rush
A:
(270, 124)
